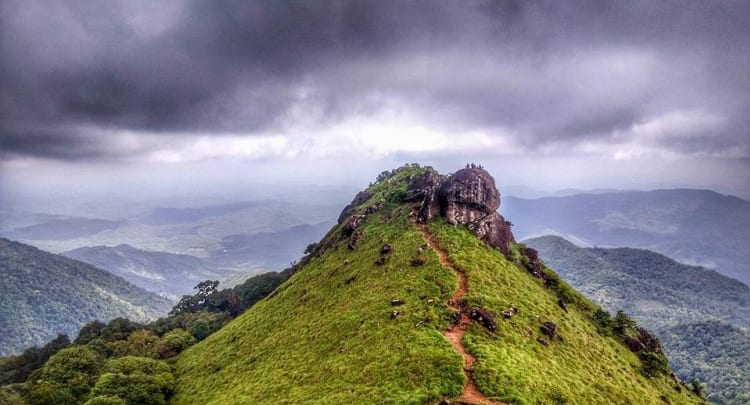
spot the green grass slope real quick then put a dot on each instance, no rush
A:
(326, 335)
(584, 367)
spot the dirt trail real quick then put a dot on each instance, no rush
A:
(456, 332)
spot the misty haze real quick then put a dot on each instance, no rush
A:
(422, 202)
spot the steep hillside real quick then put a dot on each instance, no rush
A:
(665, 296)
(168, 274)
(370, 316)
(647, 285)
(43, 294)
(672, 222)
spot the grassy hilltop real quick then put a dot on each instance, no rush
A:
(328, 334)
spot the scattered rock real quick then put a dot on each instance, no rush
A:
(397, 302)
(350, 280)
(354, 240)
(374, 208)
(484, 317)
(531, 253)
(542, 341)
(549, 328)
(352, 224)
(386, 249)
(444, 402)
(358, 200)
(651, 343)
(508, 313)
(562, 304)
(380, 261)
(395, 314)
(456, 317)
(635, 345)
(416, 262)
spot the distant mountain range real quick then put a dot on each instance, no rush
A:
(216, 232)
(666, 296)
(693, 226)
(171, 275)
(43, 294)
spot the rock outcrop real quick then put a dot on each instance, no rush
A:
(467, 197)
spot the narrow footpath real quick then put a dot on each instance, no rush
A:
(456, 332)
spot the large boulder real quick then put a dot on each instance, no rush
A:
(469, 195)
(424, 190)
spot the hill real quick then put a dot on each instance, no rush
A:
(168, 274)
(43, 294)
(671, 222)
(667, 296)
(403, 301)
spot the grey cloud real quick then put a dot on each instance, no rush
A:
(230, 66)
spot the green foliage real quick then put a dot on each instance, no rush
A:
(136, 381)
(174, 342)
(38, 299)
(623, 324)
(193, 303)
(90, 331)
(200, 329)
(16, 369)
(141, 343)
(696, 387)
(716, 353)
(310, 248)
(8, 397)
(653, 364)
(67, 377)
(106, 400)
(603, 319)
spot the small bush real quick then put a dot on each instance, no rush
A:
(653, 365)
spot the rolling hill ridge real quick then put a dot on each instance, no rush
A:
(671, 222)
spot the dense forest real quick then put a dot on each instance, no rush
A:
(700, 349)
(43, 294)
(122, 361)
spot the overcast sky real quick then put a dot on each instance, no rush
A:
(548, 94)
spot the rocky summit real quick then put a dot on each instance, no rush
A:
(468, 197)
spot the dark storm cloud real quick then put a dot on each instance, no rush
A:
(545, 71)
